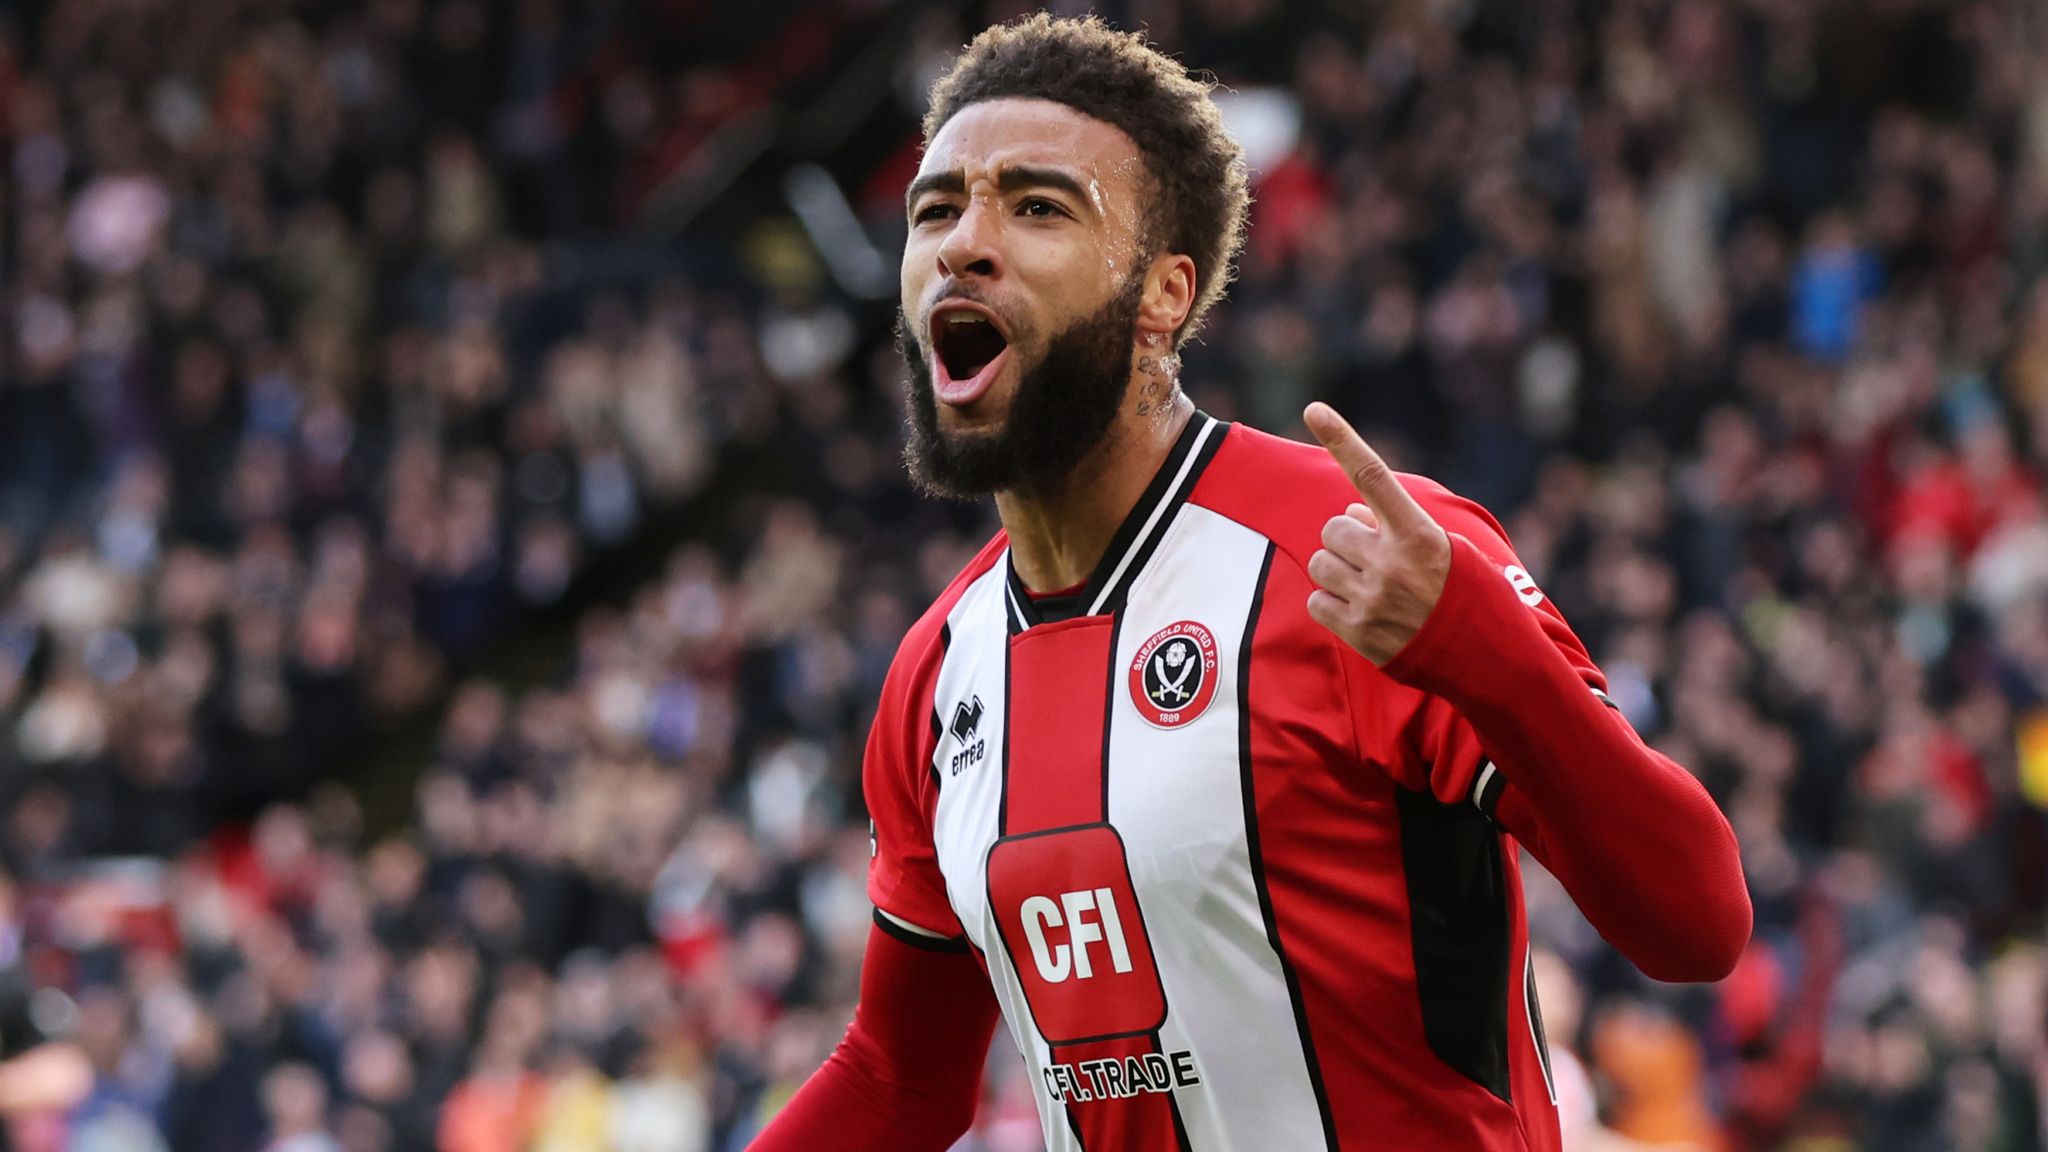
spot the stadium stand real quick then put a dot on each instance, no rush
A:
(520, 373)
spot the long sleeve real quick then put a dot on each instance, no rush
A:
(907, 1076)
(1632, 836)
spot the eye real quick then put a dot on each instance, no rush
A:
(1040, 208)
(936, 211)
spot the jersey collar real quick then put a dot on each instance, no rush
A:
(1135, 540)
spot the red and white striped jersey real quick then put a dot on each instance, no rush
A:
(1236, 890)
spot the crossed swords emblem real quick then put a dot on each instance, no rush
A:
(1173, 655)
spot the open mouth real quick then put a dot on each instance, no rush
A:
(969, 350)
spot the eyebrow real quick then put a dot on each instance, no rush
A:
(1010, 179)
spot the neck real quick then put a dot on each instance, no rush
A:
(1058, 534)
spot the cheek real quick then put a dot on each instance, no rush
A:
(1071, 277)
(916, 271)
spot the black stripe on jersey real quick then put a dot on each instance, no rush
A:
(1109, 698)
(1114, 576)
(1458, 924)
(1018, 607)
(1136, 538)
(939, 722)
(1027, 611)
(919, 939)
(1486, 790)
(1536, 1022)
(1003, 796)
(1251, 843)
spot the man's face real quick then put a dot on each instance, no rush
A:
(1022, 279)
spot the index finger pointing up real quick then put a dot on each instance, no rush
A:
(1369, 474)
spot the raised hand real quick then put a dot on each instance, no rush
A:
(1383, 562)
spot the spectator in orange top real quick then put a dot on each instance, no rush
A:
(1654, 1065)
(498, 1107)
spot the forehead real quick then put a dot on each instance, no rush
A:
(984, 138)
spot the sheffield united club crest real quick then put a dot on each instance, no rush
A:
(1173, 675)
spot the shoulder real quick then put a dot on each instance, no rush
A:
(1287, 490)
(905, 728)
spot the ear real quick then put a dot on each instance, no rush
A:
(1169, 294)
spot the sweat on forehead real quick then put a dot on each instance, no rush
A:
(1018, 145)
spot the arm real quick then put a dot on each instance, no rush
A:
(1632, 836)
(907, 1076)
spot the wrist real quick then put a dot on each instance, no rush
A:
(1479, 642)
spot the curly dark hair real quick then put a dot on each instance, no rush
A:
(1118, 78)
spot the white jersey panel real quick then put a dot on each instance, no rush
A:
(1052, 1115)
(975, 676)
(969, 768)
(1177, 796)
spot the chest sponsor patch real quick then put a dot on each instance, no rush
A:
(1173, 674)
(1068, 915)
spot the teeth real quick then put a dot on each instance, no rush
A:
(964, 318)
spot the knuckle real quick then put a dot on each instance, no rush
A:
(1336, 531)
(1371, 474)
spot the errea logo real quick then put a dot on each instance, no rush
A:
(966, 719)
(966, 729)
(1523, 584)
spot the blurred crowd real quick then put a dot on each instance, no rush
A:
(1732, 310)
(291, 422)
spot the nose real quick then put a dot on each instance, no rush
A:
(970, 247)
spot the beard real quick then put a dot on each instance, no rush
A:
(1063, 407)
